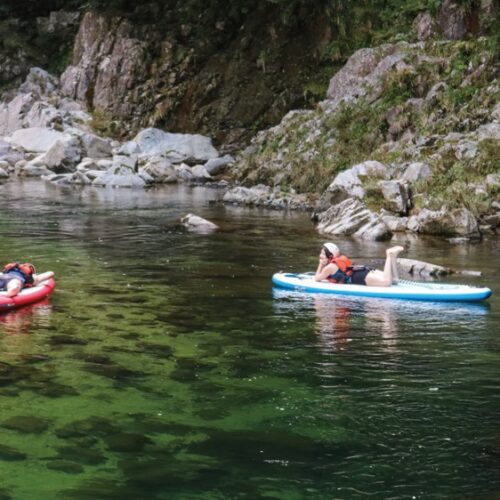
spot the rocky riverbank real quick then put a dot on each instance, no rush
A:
(406, 138)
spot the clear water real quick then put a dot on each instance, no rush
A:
(165, 366)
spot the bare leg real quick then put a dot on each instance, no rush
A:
(14, 287)
(395, 274)
(385, 277)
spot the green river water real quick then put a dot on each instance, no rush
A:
(166, 367)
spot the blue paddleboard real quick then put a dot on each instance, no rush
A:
(410, 290)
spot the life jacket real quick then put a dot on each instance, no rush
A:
(344, 272)
(25, 270)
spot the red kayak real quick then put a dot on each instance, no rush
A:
(27, 296)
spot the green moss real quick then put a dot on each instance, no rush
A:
(374, 198)
(106, 126)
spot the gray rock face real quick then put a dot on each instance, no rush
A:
(452, 20)
(107, 59)
(44, 115)
(489, 131)
(458, 222)
(95, 147)
(129, 148)
(4, 166)
(351, 217)
(363, 73)
(425, 26)
(397, 196)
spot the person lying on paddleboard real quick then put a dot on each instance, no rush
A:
(337, 268)
(16, 276)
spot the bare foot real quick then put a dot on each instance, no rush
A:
(394, 251)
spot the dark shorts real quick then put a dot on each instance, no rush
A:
(359, 275)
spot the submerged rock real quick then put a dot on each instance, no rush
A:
(26, 424)
(11, 454)
(65, 466)
(127, 442)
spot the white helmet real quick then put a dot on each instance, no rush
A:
(332, 248)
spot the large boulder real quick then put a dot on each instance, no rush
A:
(36, 139)
(181, 147)
(95, 147)
(216, 165)
(352, 218)
(161, 169)
(63, 155)
(457, 222)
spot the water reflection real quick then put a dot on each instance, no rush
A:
(338, 319)
(25, 319)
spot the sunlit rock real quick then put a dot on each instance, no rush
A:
(198, 224)
(194, 147)
(35, 139)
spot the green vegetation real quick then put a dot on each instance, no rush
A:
(457, 182)
(105, 126)
(309, 149)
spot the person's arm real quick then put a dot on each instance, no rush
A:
(324, 270)
(38, 278)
